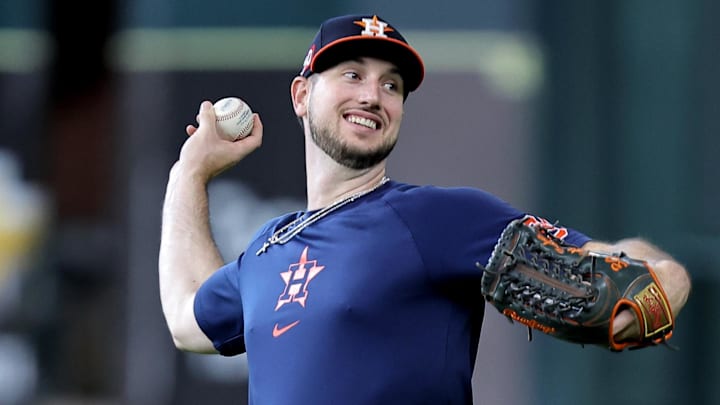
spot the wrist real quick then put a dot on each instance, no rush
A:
(182, 170)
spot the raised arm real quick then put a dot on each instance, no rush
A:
(188, 254)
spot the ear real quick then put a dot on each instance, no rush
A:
(299, 92)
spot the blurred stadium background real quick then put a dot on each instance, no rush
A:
(600, 114)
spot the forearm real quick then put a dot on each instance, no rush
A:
(188, 255)
(636, 248)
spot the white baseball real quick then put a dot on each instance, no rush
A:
(234, 118)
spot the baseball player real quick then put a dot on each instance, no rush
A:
(375, 293)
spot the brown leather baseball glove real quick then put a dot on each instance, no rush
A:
(570, 293)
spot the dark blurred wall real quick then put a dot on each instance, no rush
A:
(630, 120)
(80, 134)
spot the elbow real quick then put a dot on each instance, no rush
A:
(681, 278)
(191, 339)
(180, 344)
(684, 281)
(184, 330)
(178, 338)
(684, 284)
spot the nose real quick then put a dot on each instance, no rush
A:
(369, 94)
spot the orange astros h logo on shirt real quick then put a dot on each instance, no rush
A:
(296, 278)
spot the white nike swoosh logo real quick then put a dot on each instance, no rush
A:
(279, 331)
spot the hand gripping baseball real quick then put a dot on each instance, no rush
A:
(570, 293)
(207, 152)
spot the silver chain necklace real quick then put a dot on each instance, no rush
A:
(284, 234)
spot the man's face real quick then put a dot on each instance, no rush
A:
(354, 111)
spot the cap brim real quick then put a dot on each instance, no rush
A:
(397, 52)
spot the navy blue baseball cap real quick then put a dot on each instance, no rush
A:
(351, 36)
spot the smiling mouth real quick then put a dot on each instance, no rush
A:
(365, 122)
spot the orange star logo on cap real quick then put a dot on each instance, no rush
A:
(374, 27)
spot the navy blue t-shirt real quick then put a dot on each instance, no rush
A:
(377, 303)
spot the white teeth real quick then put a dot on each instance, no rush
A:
(362, 121)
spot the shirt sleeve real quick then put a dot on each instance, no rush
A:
(219, 312)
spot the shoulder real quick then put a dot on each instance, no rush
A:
(452, 227)
(410, 197)
(431, 193)
(453, 212)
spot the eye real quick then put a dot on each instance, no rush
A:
(351, 74)
(392, 86)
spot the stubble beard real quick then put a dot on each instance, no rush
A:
(339, 151)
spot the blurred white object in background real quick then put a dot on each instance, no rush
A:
(23, 216)
(18, 370)
(23, 221)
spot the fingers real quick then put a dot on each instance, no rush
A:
(257, 126)
(253, 141)
(206, 116)
(257, 131)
